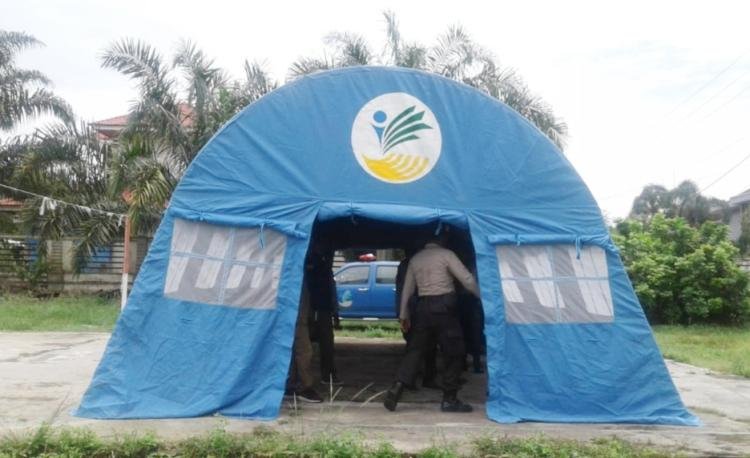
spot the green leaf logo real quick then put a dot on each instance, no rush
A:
(402, 129)
(396, 138)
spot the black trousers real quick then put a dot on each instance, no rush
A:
(436, 320)
(471, 317)
(324, 328)
(430, 349)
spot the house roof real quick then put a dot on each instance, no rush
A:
(117, 121)
(740, 198)
(9, 203)
(110, 128)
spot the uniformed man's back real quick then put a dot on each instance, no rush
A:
(431, 273)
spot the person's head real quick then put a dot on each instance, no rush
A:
(441, 238)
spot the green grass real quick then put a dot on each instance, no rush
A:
(65, 313)
(266, 442)
(388, 329)
(553, 448)
(722, 349)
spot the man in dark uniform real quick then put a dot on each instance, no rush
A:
(323, 305)
(432, 272)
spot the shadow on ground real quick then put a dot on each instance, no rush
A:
(367, 368)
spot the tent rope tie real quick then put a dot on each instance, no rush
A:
(518, 239)
(578, 247)
(262, 236)
(439, 228)
(351, 213)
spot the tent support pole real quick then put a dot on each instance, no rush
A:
(125, 265)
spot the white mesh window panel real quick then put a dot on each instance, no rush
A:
(222, 265)
(555, 284)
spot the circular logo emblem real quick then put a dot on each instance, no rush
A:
(396, 138)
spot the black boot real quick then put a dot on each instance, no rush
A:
(478, 369)
(393, 395)
(452, 404)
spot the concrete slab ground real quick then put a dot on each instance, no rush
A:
(43, 375)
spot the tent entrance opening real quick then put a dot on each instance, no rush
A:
(369, 349)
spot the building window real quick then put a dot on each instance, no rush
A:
(220, 265)
(555, 284)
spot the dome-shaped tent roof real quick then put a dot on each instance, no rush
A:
(297, 143)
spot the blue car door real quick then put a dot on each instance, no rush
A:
(353, 291)
(383, 294)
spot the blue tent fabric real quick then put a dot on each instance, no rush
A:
(291, 158)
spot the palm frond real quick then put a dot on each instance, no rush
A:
(44, 101)
(152, 184)
(350, 49)
(200, 73)
(13, 42)
(97, 230)
(139, 61)
(453, 53)
(392, 38)
(307, 65)
(412, 55)
(17, 105)
(19, 76)
(257, 82)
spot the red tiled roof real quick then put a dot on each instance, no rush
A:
(109, 128)
(186, 115)
(117, 121)
(9, 202)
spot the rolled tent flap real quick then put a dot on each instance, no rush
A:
(289, 228)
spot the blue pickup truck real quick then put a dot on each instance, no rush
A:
(367, 289)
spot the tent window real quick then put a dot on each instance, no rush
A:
(222, 265)
(553, 284)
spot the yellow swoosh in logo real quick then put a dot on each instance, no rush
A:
(397, 167)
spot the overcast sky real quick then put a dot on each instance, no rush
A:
(653, 92)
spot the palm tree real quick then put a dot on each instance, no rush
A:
(24, 93)
(167, 128)
(135, 174)
(455, 55)
(70, 164)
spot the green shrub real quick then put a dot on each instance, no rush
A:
(684, 275)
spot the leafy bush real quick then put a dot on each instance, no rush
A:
(684, 275)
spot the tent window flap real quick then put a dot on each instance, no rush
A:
(220, 265)
(555, 284)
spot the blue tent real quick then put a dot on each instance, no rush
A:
(208, 327)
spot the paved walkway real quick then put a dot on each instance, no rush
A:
(43, 375)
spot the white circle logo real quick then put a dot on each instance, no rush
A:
(396, 138)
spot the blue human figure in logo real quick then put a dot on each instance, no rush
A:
(379, 117)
